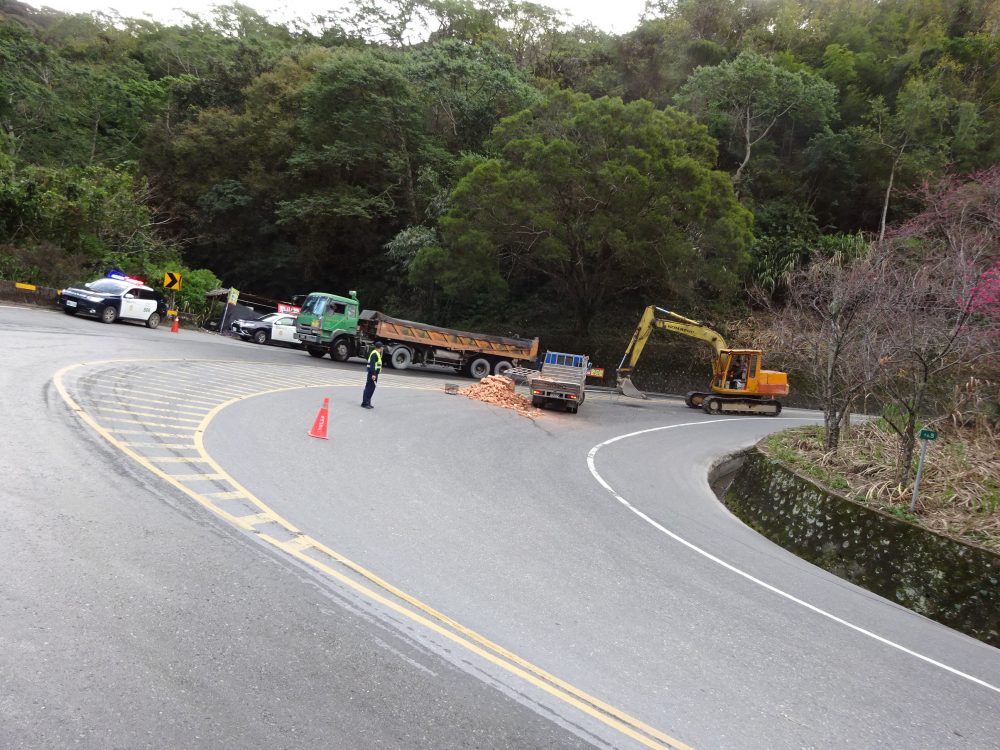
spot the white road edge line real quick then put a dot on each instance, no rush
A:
(659, 527)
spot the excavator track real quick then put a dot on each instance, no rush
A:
(712, 403)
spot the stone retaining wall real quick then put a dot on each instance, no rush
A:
(954, 583)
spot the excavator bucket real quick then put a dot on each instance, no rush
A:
(626, 388)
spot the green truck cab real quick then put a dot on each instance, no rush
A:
(329, 323)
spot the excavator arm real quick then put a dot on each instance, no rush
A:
(658, 317)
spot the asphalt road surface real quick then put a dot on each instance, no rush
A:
(184, 567)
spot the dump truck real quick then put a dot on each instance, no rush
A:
(335, 325)
(560, 382)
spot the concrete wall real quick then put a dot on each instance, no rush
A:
(953, 583)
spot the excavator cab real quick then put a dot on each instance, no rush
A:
(737, 372)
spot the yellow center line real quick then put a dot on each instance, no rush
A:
(300, 545)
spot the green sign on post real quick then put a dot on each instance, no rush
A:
(925, 435)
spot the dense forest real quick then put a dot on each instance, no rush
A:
(484, 163)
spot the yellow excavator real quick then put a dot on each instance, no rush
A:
(739, 385)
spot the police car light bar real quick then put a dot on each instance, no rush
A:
(118, 276)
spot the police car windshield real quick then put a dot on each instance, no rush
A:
(108, 286)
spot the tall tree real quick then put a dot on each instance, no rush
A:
(744, 100)
(601, 199)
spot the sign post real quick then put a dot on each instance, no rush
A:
(926, 436)
(234, 294)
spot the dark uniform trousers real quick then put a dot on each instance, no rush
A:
(371, 379)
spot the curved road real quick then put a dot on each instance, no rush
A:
(439, 573)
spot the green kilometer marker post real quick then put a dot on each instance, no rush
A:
(926, 436)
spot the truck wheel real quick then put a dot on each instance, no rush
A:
(573, 409)
(340, 351)
(401, 358)
(479, 368)
(502, 367)
(537, 402)
(314, 352)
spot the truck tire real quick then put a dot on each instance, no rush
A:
(340, 351)
(537, 402)
(479, 368)
(315, 352)
(502, 367)
(401, 357)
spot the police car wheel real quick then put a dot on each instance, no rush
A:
(153, 320)
(260, 337)
(109, 314)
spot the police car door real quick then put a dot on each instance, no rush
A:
(283, 329)
(132, 304)
(138, 304)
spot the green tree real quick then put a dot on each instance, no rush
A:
(748, 97)
(600, 199)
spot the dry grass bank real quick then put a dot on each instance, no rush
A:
(959, 490)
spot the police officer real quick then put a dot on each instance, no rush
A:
(374, 368)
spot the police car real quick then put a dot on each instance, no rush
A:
(112, 298)
(276, 328)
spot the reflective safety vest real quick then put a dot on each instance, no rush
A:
(378, 361)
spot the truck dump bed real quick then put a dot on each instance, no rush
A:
(379, 325)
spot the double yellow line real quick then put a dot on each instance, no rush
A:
(305, 549)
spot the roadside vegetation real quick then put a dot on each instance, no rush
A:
(959, 489)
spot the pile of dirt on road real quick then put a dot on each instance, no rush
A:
(499, 391)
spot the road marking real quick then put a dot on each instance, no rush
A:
(301, 545)
(146, 414)
(175, 459)
(591, 464)
(122, 420)
(146, 433)
(183, 446)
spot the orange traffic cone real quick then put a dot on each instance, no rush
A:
(176, 325)
(319, 426)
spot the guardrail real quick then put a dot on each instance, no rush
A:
(31, 293)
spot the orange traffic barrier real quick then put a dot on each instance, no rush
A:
(319, 426)
(176, 325)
